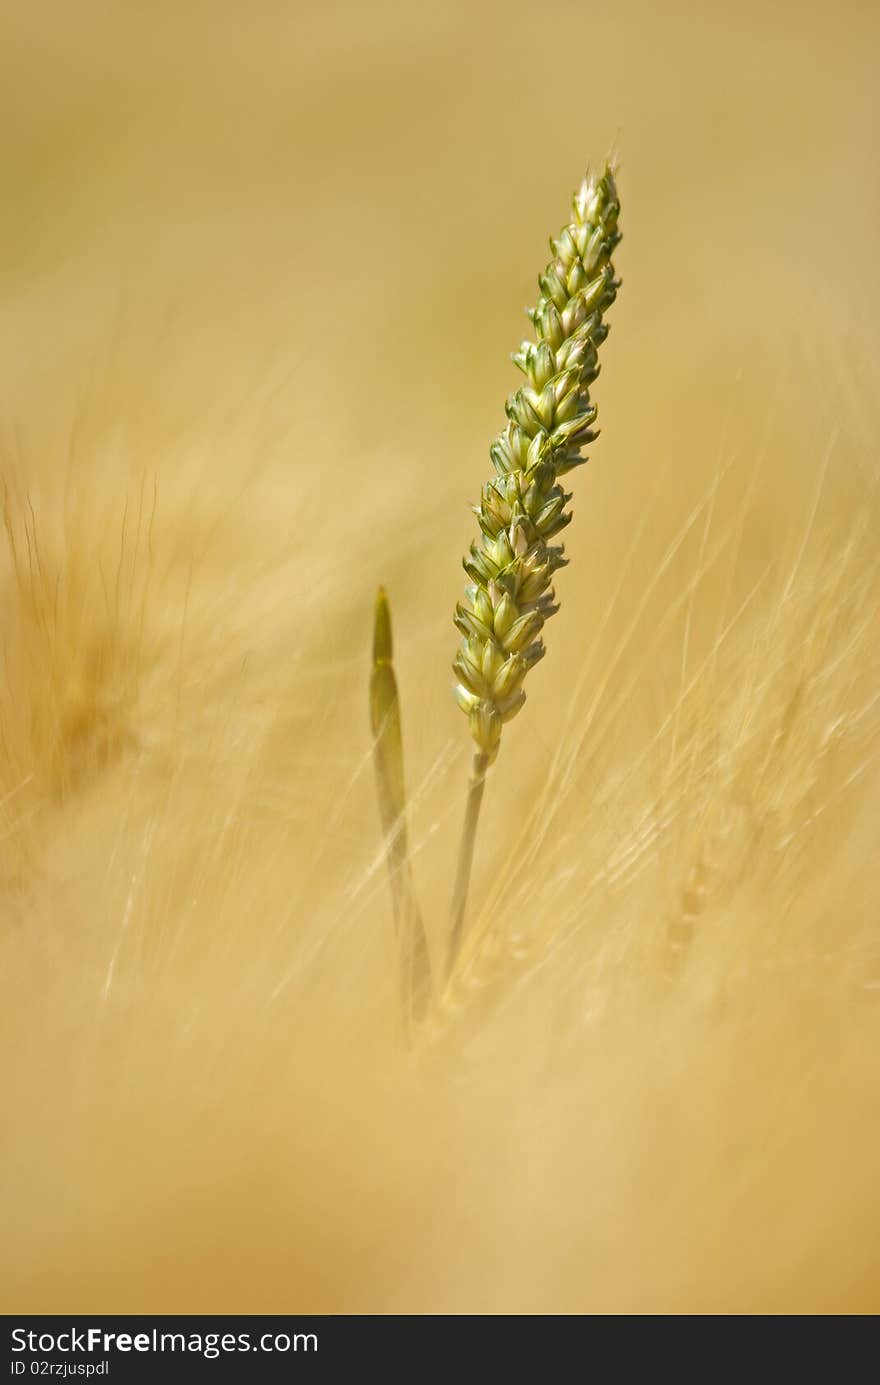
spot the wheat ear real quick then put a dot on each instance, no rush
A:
(523, 507)
(415, 965)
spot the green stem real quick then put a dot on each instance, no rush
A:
(415, 962)
(466, 858)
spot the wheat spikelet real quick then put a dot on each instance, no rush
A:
(550, 420)
(510, 595)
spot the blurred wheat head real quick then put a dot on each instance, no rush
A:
(651, 1081)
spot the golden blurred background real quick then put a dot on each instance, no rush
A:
(261, 269)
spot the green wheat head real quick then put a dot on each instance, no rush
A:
(511, 567)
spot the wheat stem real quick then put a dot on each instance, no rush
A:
(466, 857)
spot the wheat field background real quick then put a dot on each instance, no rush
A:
(261, 270)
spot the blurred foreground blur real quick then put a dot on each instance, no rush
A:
(261, 272)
